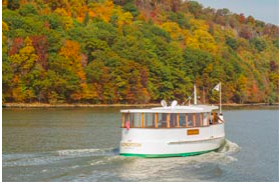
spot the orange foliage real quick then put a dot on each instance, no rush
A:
(103, 11)
(72, 52)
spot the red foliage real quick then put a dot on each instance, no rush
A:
(245, 33)
(273, 66)
(241, 18)
(153, 14)
(17, 44)
(84, 60)
(40, 44)
(47, 24)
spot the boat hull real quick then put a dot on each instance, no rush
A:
(154, 143)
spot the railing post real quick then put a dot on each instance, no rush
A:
(178, 120)
(156, 120)
(168, 120)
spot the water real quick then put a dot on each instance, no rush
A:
(82, 145)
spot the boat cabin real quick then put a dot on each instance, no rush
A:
(169, 117)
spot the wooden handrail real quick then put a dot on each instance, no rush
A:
(176, 127)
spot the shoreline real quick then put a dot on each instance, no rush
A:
(44, 105)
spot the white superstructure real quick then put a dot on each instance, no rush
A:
(171, 131)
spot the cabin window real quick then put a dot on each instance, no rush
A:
(149, 120)
(173, 120)
(182, 120)
(206, 119)
(162, 120)
(137, 120)
(165, 120)
(198, 119)
(127, 118)
(190, 120)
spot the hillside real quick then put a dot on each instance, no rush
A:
(134, 51)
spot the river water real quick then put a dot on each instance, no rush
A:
(82, 145)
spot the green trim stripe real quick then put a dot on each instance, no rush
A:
(165, 155)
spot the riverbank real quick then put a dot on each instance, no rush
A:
(44, 105)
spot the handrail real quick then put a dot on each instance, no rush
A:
(181, 127)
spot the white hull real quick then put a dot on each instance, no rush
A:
(164, 142)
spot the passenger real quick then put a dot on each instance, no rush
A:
(211, 119)
(216, 118)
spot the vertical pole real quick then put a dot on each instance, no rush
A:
(142, 120)
(178, 120)
(187, 120)
(168, 120)
(156, 120)
(220, 97)
(203, 95)
(194, 91)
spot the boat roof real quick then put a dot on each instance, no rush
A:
(176, 109)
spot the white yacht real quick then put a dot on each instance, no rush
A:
(169, 131)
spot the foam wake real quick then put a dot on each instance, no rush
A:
(44, 158)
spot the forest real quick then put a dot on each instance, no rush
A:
(134, 52)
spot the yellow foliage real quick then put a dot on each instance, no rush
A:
(5, 27)
(198, 25)
(61, 11)
(88, 92)
(125, 19)
(4, 2)
(103, 11)
(26, 57)
(203, 40)
(68, 23)
(18, 94)
(173, 29)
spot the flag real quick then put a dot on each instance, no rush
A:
(217, 87)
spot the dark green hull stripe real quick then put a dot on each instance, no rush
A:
(165, 155)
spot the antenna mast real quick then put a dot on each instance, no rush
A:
(194, 97)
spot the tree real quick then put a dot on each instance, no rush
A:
(25, 60)
(259, 44)
(231, 42)
(13, 4)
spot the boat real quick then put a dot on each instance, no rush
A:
(170, 131)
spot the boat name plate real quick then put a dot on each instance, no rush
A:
(126, 144)
(193, 132)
